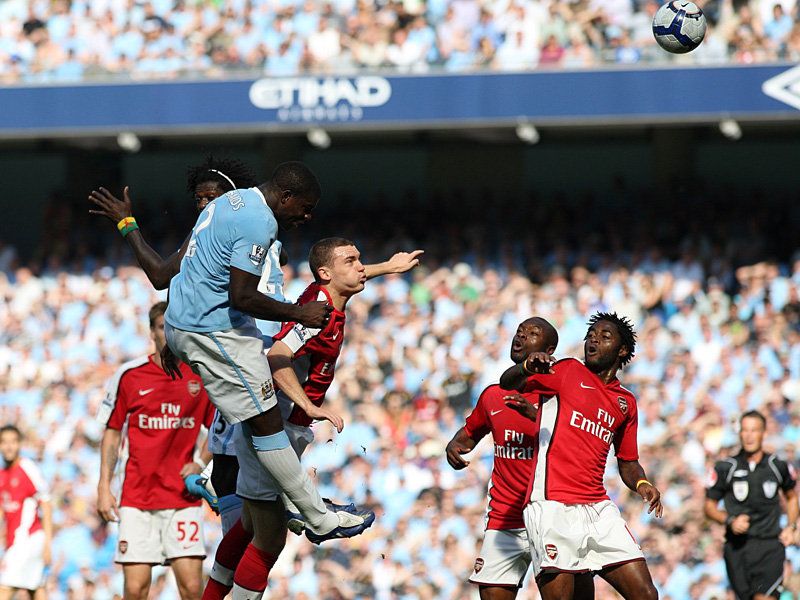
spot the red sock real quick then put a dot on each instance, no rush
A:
(253, 570)
(215, 590)
(229, 553)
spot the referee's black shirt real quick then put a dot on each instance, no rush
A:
(752, 490)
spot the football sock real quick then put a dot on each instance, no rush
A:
(252, 574)
(230, 509)
(228, 556)
(280, 460)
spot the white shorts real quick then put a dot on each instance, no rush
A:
(22, 566)
(158, 536)
(220, 436)
(253, 482)
(577, 538)
(233, 368)
(504, 559)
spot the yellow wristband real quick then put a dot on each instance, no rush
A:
(640, 482)
(125, 222)
(525, 367)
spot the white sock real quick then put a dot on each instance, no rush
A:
(240, 593)
(289, 504)
(284, 466)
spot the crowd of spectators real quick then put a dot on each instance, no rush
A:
(44, 41)
(716, 303)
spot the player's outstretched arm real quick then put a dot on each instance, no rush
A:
(634, 477)
(46, 507)
(516, 377)
(158, 270)
(461, 443)
(280, 363)
(245, 297)
(398, 263)
(109, 451)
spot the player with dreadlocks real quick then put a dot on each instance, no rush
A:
(572, 525)
(206, 181)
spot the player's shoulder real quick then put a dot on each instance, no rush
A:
(132, 367)
(728, 463)
(313, 292)
(30, 468)
(776, 462)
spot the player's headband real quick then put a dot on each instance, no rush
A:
(225, 177)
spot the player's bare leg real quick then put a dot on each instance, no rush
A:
(497, 592)
(137, 580)
(632, 580)
(188, 572)
(556, 586)
(6, 593)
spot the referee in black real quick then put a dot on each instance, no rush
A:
(749, 484)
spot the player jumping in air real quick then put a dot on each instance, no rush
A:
(159, 523)
(205, 181)
(303, 363)
(26, 508)
(210, 326)
(584, 410)
(505, 554)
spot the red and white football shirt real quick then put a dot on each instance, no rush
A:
(163, 418)
(576, 430)
(315, 352)
(515, 439)
(22, 487)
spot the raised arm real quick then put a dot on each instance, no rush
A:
(158, 270)
(109, 452)
(245, 297)
(280, 358)
(633, 476)
(398, 263)
(516, 376)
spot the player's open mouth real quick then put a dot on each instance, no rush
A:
(516, 346)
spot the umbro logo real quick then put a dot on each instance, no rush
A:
(494, 412)
(145, 392)
(587, 387)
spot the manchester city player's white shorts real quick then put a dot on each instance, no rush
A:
(504, 558)
(233, 368)
(253, 482)
(22, 565)
(577, 538)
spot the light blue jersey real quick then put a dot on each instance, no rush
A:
(271, 284)
(235, 230)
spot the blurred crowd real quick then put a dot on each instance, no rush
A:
(44, 41)
(716, 303)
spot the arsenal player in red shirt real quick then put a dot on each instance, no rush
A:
(572, 525)
(25, 504)
(159, 522)
(303, 363)
(505, 554)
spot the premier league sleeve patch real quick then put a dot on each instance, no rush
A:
(257, 254)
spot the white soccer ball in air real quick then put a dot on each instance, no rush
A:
(679, 26)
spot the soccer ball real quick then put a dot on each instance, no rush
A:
(679, 26)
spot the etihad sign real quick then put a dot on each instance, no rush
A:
(309, 99)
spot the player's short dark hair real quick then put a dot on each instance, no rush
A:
(625, 329)
(223, 171)
(10, 428)
(754, 414)
(297, 178)
(321, 253)
(157, 310)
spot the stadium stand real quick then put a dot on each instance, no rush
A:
(718, 314)
(67, 41)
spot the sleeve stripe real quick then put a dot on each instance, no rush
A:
(774, 467)
(112, 388)
(35, 475)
